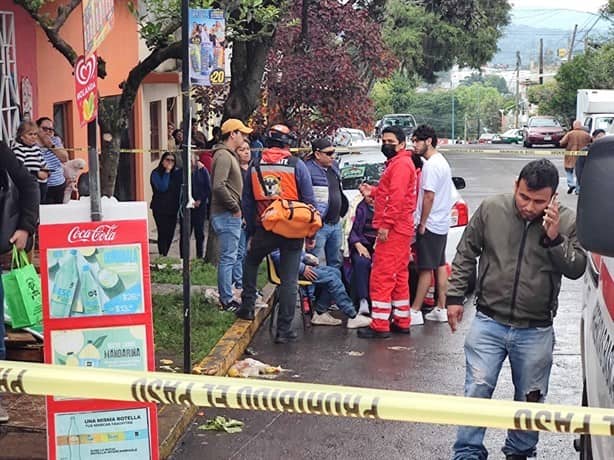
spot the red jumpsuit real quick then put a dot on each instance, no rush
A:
(395, 203)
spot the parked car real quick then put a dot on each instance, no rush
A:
(511, 136)
(404, 120)
(368, 167)
(543, 130)
(487, 138)
(351, 137)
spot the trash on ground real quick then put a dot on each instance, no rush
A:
(167, 369)
(356, 353)
(398, 348)
(249, 367)
(221, 423)
(249, 351)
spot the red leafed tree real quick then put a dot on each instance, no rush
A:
(320, 70)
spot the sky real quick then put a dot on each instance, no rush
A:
(584, 5)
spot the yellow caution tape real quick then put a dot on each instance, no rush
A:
(574, 153)
(299, 398)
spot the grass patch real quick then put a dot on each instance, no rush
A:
(201, 273)
(208, 323)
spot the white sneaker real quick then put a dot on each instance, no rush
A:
(416, 317)
(364, 307)
(358, 321)
(438, 314)
(324, 319)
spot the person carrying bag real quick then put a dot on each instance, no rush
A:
(18, 230)
(22, 287)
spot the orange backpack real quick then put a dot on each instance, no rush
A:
(287, 218)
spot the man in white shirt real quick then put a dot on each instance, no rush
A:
(432, 219)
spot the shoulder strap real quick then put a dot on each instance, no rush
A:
(260, 178)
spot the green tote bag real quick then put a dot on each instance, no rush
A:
(22, 291)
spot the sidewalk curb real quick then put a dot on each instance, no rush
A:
(226, 351)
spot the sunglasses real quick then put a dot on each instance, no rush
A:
(45, 128)
(330, 154)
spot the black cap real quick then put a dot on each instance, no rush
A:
(321, 144)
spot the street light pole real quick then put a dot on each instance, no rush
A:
(185, 229)
(453, 121)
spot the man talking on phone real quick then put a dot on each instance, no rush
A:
(525, 242)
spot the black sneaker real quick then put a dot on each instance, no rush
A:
(394, 327)
(245, 314)
(287, 337)
(368, 333)
(570, 189)
(232, 306)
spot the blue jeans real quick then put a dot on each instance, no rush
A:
(529, 351)
(571, 178)
(228, 231)
(330, 287)
(237, 269)
(328, 245)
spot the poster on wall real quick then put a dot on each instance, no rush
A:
(207, 43)
(109, 435)
(97, 22)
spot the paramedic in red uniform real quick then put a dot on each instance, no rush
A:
(395, 203)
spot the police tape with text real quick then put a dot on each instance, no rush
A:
(299, 398)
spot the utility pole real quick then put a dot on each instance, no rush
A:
(573, 41)
(453, 121)
(465, 133)
(541, 61)
(479, 127)
(517, 105)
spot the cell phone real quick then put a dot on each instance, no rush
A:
(552, 200)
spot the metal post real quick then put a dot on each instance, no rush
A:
(541, 61)
(93, 172)
(185, 231)
(479, 127)
(453, 122)
(517, 105)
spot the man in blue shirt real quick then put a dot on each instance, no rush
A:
(54, 154)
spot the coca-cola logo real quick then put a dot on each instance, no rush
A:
(92, 235)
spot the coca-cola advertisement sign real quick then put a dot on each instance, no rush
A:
(100, 234)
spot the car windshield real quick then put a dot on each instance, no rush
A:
(352, 175)
(543, 122)
(357, 135)
(403, 121)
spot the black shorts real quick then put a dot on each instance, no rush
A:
(430, 250)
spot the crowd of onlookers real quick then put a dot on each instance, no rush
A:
(236, 175)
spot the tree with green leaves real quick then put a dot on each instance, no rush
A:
(250, 27)
(432, 35)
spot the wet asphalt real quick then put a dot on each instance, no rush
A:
(430, 360)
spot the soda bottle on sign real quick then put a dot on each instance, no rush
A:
(74, 444)
(111, 282)
(64, 287)
(89, 356)
(90, 293)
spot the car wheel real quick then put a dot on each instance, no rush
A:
(583, 445)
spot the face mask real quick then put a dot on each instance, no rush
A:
(389, 150)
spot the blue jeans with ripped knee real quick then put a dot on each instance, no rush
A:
(529, 351)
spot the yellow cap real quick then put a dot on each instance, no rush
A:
(232, 124)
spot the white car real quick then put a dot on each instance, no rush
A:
(595, 227)
(350, 137)
(368, 167)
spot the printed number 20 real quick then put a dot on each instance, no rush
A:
(217, 77)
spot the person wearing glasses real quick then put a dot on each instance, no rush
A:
(332, 205)
(55, 155)
(166, 182)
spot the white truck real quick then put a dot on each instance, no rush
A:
(595, 109)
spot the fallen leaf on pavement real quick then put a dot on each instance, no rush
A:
(221, 423)
(397, 348)
(167, 369)
(166, 362)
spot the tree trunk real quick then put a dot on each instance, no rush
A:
(247, 65)
(111, 121)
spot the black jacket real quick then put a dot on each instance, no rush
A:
(29, 194)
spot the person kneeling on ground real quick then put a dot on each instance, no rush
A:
(328, 280)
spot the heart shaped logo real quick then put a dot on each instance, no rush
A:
(85, 69)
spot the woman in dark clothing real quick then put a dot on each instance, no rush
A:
(166, 185)
(29, 200)
(201, 193)
(362, 244)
